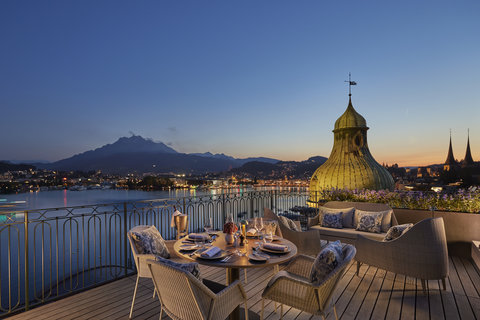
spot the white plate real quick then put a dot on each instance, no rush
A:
(199, 240)
(256, 257)
(275, 251)
(220, 255)
(275, 238)
(187, 247)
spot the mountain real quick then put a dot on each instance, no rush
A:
(239, 161)
(291, 169)
(140, 155)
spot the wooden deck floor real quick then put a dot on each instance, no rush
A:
(375, 294)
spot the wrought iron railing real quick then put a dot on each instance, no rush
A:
(46, 254)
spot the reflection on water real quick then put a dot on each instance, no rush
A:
(68, 198)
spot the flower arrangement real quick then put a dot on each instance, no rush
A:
(229, 228)
(460, 201)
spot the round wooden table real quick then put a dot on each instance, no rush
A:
(235, 263)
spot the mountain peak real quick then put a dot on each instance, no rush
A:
(135, 144)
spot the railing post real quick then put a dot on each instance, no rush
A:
(223, 206)
(272, 194)
(125, 250)
(27, 284)
(251, 205)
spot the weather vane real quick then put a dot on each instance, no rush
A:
(350, 84)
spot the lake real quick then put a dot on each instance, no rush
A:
(68, 198)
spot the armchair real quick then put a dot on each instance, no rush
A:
(307, 242)
(293, 287)
(421, 252)
(183, 296)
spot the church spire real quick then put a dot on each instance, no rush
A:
(468, 155)
(450, 158)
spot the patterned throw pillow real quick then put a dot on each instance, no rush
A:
(191, 267)
(333, 220)
(396, 231)
(289, 223)
(149, 241)
(386, 220)
(369, 222)
(347, 215)
(326, 261)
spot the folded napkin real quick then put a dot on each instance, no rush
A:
(172, 221)
(275, 247)
(251, 232)
(210, 252)
(198, 236)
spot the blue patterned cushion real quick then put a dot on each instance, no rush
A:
(327, 260)
(333, 220)
(347, 215)
(386, 220)
(149, 241)
(369, 222)
(191, 267)
(396, 231)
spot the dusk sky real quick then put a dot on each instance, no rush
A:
(244, 78)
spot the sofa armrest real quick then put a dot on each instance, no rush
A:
(313, 221)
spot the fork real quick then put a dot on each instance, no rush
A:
(226, 258)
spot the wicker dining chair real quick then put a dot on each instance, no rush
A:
(141, 260)
(183, 296)
(292, 286)
(307, 242)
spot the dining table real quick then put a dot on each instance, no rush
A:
(234, 257)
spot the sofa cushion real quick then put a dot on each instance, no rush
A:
(347, 215)
(333, 220)
(288, 223)
(191, 267)
(396, 231)
(347, 233)
(150, 241)
(386, 219)
(369, 222)
(326, 261)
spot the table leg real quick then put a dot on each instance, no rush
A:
(232, 275)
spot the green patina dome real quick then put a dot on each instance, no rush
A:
(351, 165)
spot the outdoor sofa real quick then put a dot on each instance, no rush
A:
(348, 233)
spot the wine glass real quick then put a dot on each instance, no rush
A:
(208, 226)
(258, 226)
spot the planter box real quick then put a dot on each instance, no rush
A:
(460, 228)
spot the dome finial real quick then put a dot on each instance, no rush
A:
(350, 84)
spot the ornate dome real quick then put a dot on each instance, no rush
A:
(350, 119)
(350, 165)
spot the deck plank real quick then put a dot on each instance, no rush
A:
(383, 299)
(374, 294)
(463, 304)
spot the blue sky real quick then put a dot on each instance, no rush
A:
(246, 78)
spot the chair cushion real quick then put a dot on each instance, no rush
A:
(369, 222)
(191, 267)
(288, 223)
(347, 233)
(326, 261)
(214, 286)
(347, 215)
(333, 220)
(386, 219)
(149, 241)
(396, 231)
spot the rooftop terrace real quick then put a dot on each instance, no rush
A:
(375, 294)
